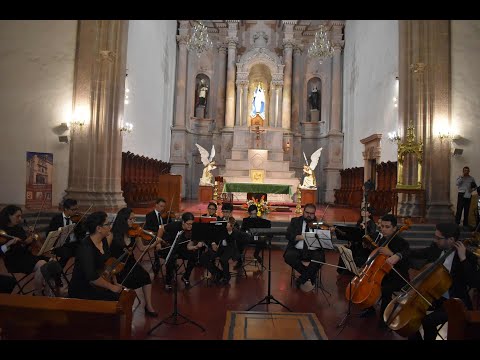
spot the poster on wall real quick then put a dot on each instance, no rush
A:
(39, 180)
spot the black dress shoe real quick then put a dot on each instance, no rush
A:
(150, 313)
(368, 312)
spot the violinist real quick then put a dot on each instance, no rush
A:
(138, 277)
(463, 269)
(397, 251)
(298, 255)
(167, 236)
(212, 211)
(19, 257)
(7, 283)
(154, 221)
(67, 250)
(92, 253)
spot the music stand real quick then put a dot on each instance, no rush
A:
(269, 298)
(56, 239)
(347, 257)
(255, 223)
(175, 314)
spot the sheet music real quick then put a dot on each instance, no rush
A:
(347, 257)
(323, 239)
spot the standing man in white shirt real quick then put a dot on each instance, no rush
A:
(466, 185)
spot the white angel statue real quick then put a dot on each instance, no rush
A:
(309, 181)
(207, 160)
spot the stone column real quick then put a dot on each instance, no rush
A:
(287, 75)
(181, 88)
(278, 107)
(232, 41)
(425, 99)
(243, 119)
(337, 43)
(297, 52)
(222, 64)
(94, 176)
(335, 137)
(238, 106)
(271, 106)
(179, 131)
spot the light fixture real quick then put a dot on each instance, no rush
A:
(127, 90)
(395, 101)
(393, 136)
(445, 135)
(127, 127)
(79, 117)
(199, 41)
(321, 47)
(287, 146)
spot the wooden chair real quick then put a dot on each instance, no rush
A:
(28, 317)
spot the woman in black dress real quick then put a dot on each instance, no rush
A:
(19, 257)
(90, 258)
(138, 277)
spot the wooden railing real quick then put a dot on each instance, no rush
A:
(463, 324)
(350, 192)
(144, 180)
(41, 318)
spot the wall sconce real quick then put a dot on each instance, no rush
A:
(127, 128)
(393, 136)
(445, 135)
(395, 101)
(286, 148)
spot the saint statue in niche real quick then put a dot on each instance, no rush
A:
(258, 102)
(314, 99)
(202, 93)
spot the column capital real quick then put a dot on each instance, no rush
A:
(182, 39)
(232, 42)
(222, 47)
(241, 82)
(288, 44)
(297, 49)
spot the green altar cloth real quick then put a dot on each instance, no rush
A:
(258, 188)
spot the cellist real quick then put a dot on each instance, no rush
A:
(398, 251)
(463, 269)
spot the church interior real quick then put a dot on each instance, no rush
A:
(313, 179)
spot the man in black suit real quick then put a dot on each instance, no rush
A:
(155, 222)
(298, 255)
(259, 241)
(462, 266)
(67, 250)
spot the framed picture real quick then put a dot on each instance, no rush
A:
(257, 176)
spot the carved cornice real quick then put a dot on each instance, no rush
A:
(107, 55)
(289, 22)
(182, 39)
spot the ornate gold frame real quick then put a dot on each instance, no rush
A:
(410, 147)
(257, 176)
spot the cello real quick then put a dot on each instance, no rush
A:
(404, 314)
(365, 289)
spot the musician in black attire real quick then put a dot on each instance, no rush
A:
(225, 250)
(123, 246)
(92, 253)
(19, 258)
(260, 243)
(462, 265)
(297, 253)
(167, 236)
(212, 211)
(154, 221)
(359, 250)
(398, 250)
(60, 220)
(7, 283)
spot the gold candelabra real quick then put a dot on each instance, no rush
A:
(298, 208)
(215, 192)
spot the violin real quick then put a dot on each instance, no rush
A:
(4, 237)
(169, 215)
(365, 288)
(137, 231)
(404, 314)
(77, 217)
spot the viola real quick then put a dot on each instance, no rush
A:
(365, 288)
(404, 314)
(113, 266)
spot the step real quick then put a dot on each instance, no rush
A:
(245, 179)
(245, 165)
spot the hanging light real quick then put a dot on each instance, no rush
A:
(199, 41)
(321, 48)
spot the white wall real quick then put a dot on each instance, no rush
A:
(369, 85)
(465, 52)
(151, 58)
(36, 71)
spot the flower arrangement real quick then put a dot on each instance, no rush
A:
(262, 206)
